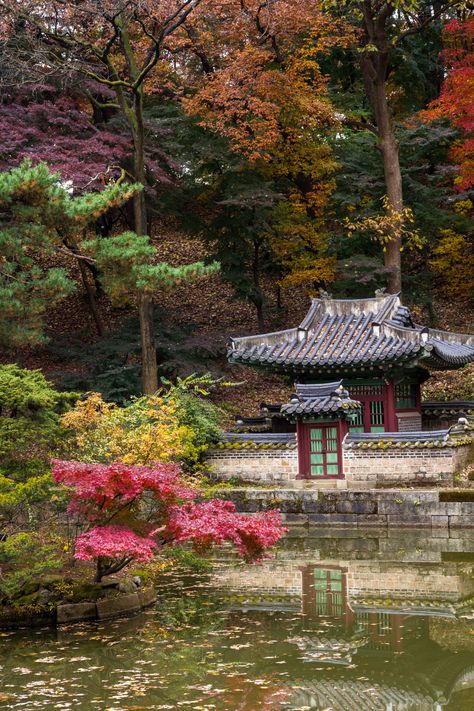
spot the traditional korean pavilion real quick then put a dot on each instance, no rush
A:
(358, 365)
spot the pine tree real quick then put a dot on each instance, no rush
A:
(39, 220)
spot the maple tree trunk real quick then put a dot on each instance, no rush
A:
(145, 301)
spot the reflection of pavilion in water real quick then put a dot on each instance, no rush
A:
(370, 631)
(360, 631)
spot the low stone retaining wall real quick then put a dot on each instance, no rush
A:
(351, 508)
(104, 609)
(364, 466)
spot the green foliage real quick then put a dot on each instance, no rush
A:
(360, 188)
(30, 433)
(126, 265)
(194, 409)
(30, 409)
(23, 558)
(39, 219)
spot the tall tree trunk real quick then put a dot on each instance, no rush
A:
(91, 299)
(374, 64)
(145, 301)
(393, 184)
(259, 299)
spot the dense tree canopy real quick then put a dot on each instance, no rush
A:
(286, 135)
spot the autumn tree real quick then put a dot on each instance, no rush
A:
(267, 96)
(117, 45)
(382, 29)
(456, 100)
(130, 512)
(42, 124)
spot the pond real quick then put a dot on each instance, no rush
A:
(379, 620)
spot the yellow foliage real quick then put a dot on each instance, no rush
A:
(148, 430)
(388, 225)
(453, 263)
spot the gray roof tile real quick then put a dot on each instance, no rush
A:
(359, 333)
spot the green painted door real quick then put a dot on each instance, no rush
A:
(324, 452)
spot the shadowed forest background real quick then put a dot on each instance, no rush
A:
(206, 166)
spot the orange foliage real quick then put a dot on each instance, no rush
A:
(456, 101)
(267, 95)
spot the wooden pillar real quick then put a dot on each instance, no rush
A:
(302, 442)
(391, 421)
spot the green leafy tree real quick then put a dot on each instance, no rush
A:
(384, 35)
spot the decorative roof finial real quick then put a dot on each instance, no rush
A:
(324, 294)
(380, 293)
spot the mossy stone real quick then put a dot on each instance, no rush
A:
(86, 592)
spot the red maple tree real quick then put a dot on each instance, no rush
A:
(456, 101)
(130, 512)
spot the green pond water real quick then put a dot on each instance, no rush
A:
(335, 622)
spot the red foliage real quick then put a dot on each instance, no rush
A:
(100, 489)
(456, 101)
(132, 510)
(113, 541)
(215, 522)
(57, 130)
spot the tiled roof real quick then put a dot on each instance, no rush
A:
(326, 398)
(254, 440)
(425, 439)
(452, 407)
(353, 334)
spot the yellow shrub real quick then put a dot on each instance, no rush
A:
(147, 430)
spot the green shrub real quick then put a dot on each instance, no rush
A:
(30, 409)
(24, 558)
(30, 433)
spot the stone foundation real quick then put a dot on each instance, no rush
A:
(398, 508)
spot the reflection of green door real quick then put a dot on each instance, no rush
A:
(329, 594)
(324, 451)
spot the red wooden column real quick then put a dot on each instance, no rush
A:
(391, 421)
(302, 442)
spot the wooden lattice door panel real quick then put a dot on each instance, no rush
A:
(377, 416)
(324, 455)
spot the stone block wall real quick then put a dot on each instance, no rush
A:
(277, 466)
(394, 466)
(362, 467)
(398, 508)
